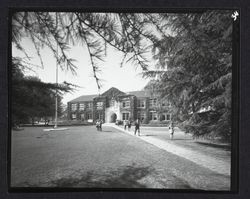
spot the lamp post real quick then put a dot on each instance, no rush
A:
(56, 95)
(56, 80)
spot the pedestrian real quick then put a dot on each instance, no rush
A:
(137, 127)
(172, 130)
(125, 124)
(129, 125)
(98, 125)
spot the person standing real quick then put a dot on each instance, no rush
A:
(125, 124)
(172, 130)
(137, 127)
(129, 125)
(100, 125)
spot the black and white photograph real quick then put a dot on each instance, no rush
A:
(122, 100)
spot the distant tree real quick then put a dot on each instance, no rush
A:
(32, 98)
(198, 59)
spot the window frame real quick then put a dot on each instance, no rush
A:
(127, 104)
(125, 114)
(73, 107)
(152, 102)
(81, 106)
(99, 105)
(89, 105)
(142, 117)
(73, 117)
(91, 116)
(140, 102)
(166, 116)
(153, 115)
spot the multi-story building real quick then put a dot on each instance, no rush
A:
(115, 105)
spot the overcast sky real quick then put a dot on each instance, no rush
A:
(126, 78)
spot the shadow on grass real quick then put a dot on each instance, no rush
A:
(126, 178)
(180, 139)
(149, 135)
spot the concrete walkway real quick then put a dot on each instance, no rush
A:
(214, 164)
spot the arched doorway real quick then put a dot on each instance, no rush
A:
(113, 118)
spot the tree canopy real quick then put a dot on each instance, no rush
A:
(126, 32)
(32, 98)
(199, 72)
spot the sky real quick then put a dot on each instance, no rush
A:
(126, 78)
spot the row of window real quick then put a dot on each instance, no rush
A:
(125, 104)
(89, 116)
(81, 106)
(125, 116)
(153, 116)
(163, 117)
(89, 105)
(152, 103)
(142, 103)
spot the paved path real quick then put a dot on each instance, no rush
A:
(214, 164)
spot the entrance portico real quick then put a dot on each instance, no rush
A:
(112, 113)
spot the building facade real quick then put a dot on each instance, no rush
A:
(115, 105)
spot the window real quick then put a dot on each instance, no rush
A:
(89, 116)
(141, 116)
(152, 102)
(126, 104)
(165, 104)
(166, 117)
(125, 116)
(99, 116)
(89, 105)
(73, 116)
(82, 116)
(73, 107)
(141, 103)
(152, 116)
(81, 106)
(99, 105)
(138, 115)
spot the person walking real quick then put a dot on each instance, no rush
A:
(126, 124)
(98, 125)
(137, 127)
(129, 125)
(171, 130)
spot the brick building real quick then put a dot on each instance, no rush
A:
(115, 105)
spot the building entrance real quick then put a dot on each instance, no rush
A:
(113, 118)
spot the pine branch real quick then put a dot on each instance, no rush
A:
(136, 55)
(61, 45)
(98, 33)
(94, 67)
